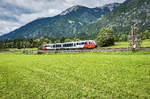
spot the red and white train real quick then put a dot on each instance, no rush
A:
(71, 45)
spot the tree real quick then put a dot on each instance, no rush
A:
(1, 45)
(105, 37)
(75, 39)
(68, 40)
(62, 39)
(146, 35)
(134, 38)
(123, 37)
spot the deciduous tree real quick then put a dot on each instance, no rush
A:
(105, 37)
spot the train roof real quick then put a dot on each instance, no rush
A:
(71, 42)
(79, 41)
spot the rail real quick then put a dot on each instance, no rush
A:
(77, 50)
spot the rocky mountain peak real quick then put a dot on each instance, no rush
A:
(111, 6)
(73, 8)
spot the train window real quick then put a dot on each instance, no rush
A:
(71, 44)
(89, 42)
(58, 45)
(64, 45)
(79, 43)
(85, 42)
(47, 46)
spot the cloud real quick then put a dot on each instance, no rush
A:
(7, 26)
(16, 13)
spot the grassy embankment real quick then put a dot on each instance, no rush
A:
(122, 75)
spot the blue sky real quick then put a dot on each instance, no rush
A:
(16, 13)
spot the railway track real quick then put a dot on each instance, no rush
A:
(79, 50)
(96, 50)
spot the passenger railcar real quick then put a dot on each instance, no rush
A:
(70, 45)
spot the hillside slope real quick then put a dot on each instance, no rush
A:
(121, 18)
(66, 24)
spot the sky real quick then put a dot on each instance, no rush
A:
(16, 13)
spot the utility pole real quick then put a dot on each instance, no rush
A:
(134, 38)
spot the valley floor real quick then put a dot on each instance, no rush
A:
(122, 75)
(145, 43)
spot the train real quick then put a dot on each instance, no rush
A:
(87, 44)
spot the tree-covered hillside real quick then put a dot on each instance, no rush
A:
(121, 18)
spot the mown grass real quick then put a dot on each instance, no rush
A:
(145, 43)
(15, 49)
(118, 45)
(111, 75)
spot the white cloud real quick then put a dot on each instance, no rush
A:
(7, 26)
(25, 18)
(25, 11)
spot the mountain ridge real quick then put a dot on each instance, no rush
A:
(65, 24)
(122, 18)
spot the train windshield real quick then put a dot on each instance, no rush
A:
(94, 43)
(47, 45)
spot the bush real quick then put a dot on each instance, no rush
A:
(145, 35)
(105, 37)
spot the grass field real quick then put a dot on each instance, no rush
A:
(111, 75)
(15, 49)
(145, 43)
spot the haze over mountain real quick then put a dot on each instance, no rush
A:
(66, 24)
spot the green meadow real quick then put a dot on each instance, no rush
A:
(145, 43)
(102, 75)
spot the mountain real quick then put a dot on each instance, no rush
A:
(122, 18)
(66, 24)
